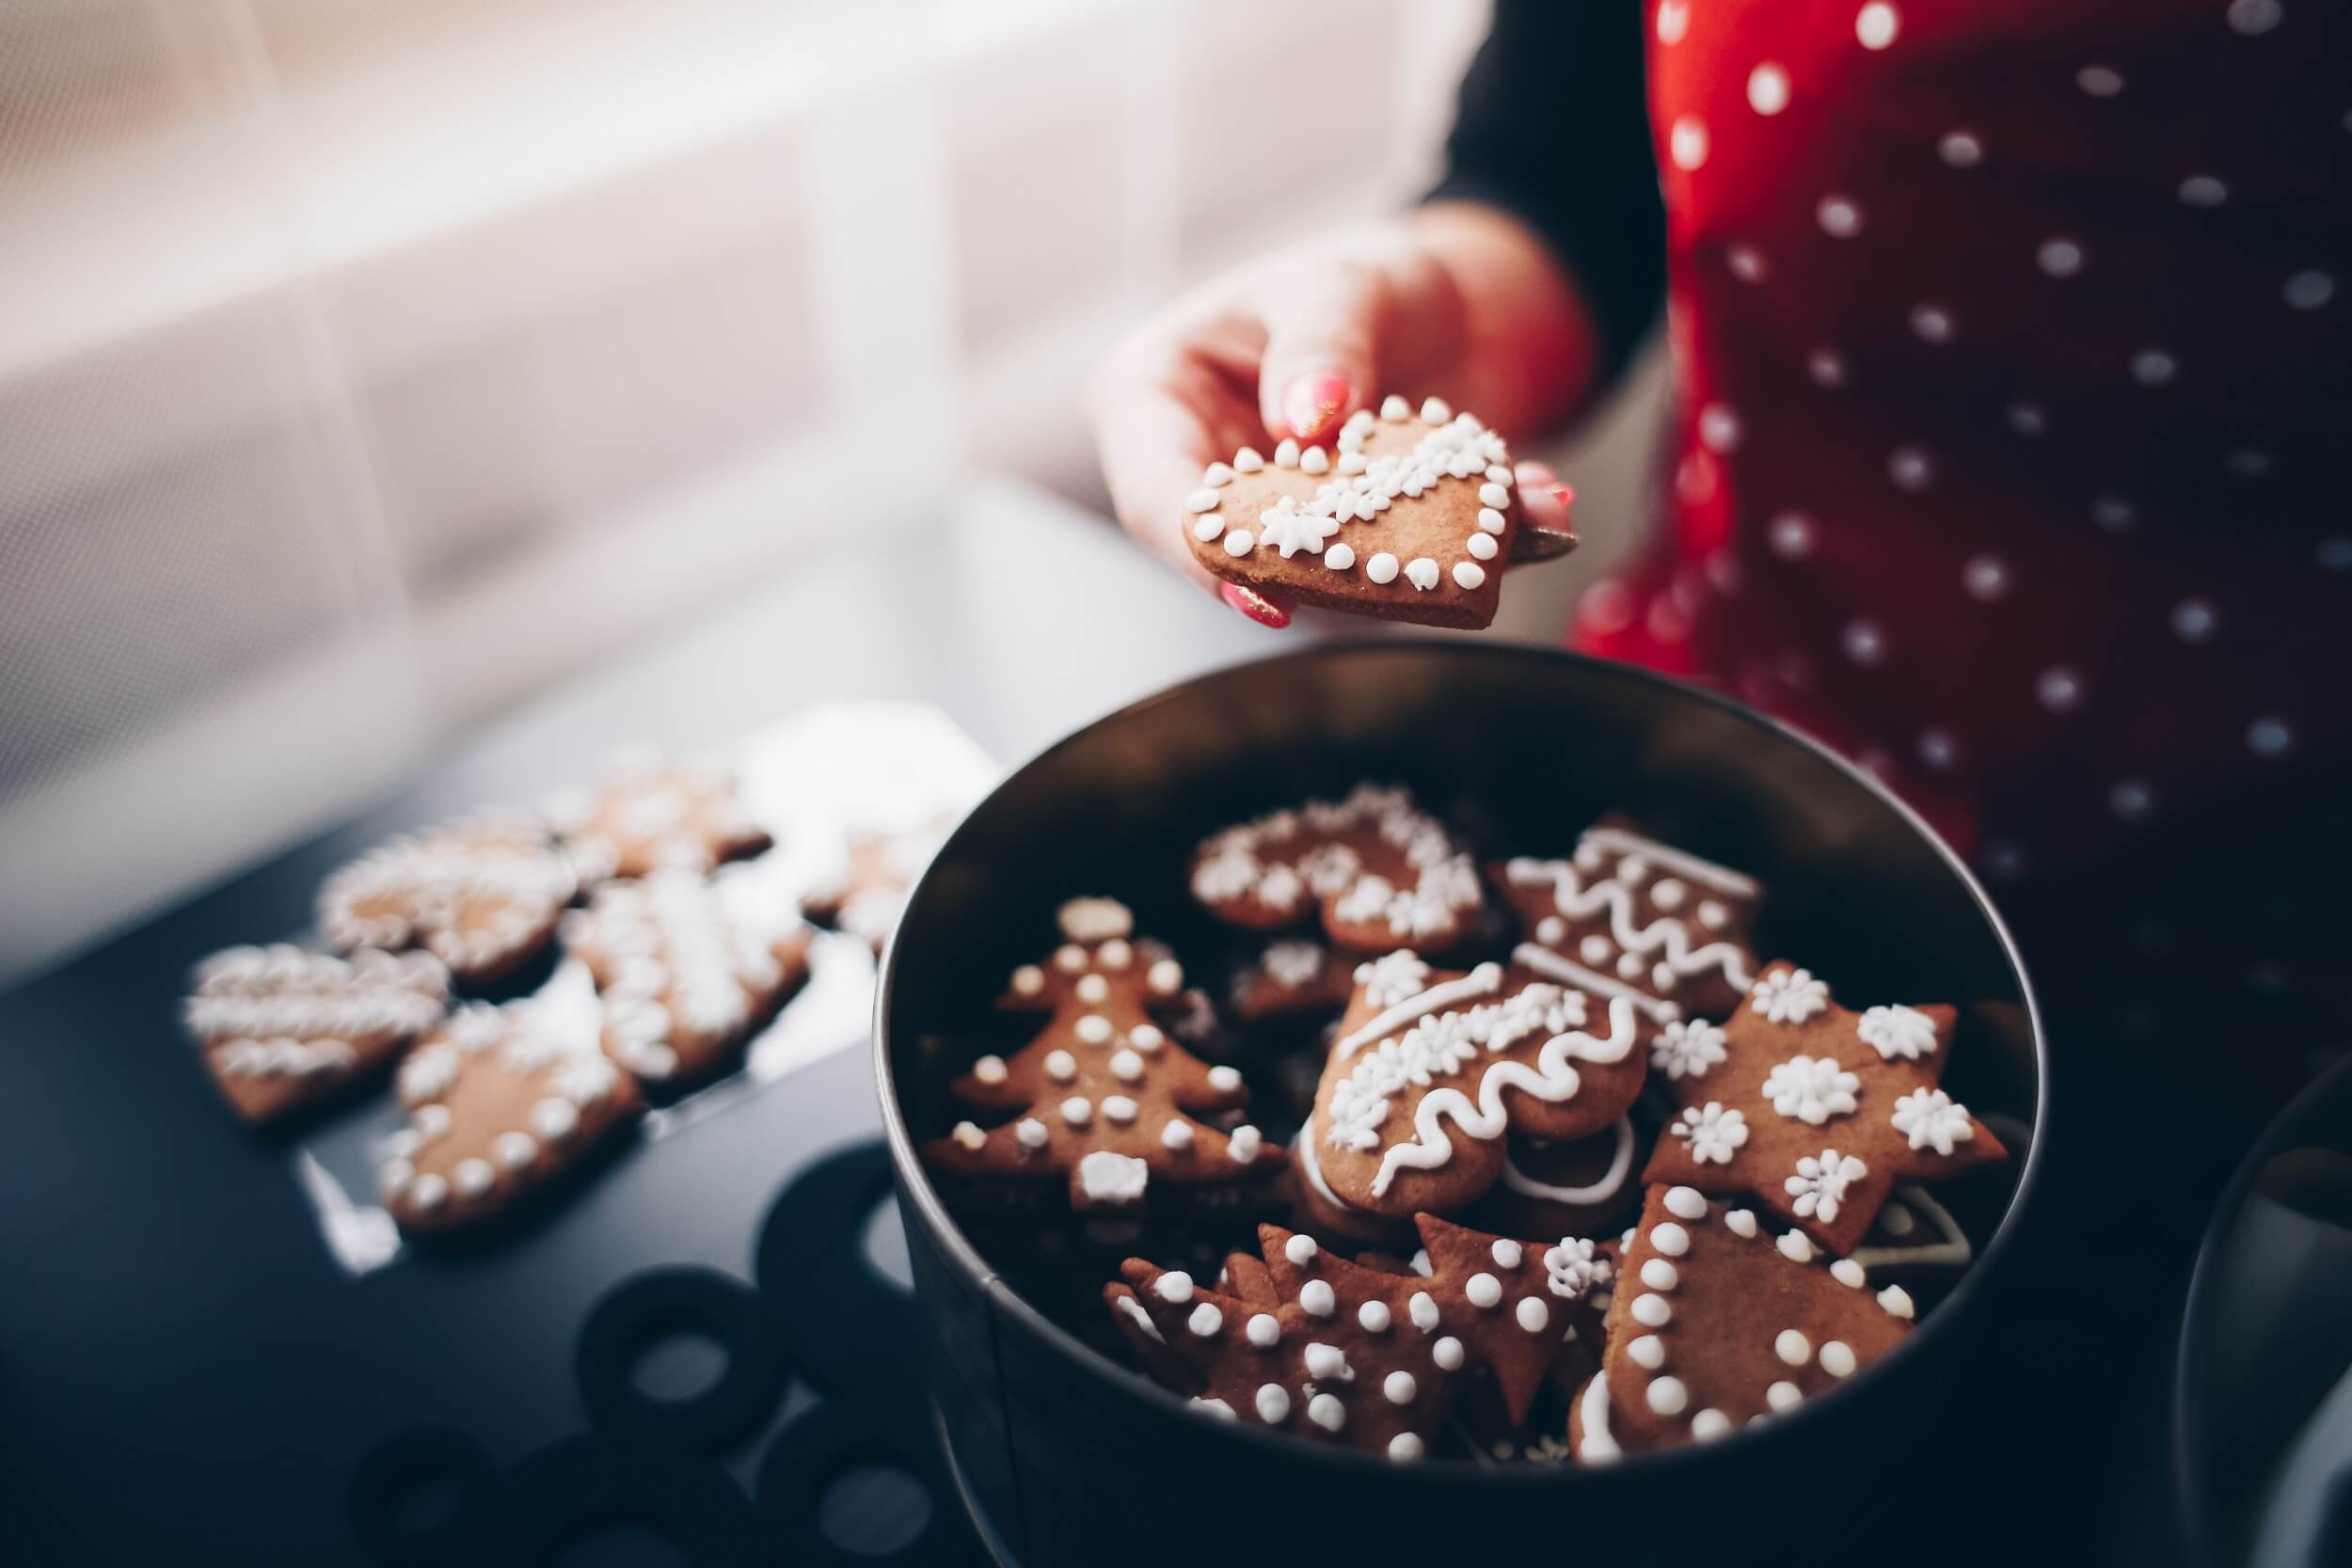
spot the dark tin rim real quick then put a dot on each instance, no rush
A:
(916, 1184)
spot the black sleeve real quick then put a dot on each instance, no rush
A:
(1554, 128)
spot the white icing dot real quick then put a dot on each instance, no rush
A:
(1405, 1448)
(1686, 142)
(1326, 1412)
(1793, 1347)
(1176, 1135)
(1433, 411)
(1395, 409)
(1060, 1065)
(2059, 257)
(1243, 1144)
(1382, 568)
(1849, 1272)
(1667, 1396)
(1448, 1354)
(1216, 475)
(1768, 89)
(428, 1192)
(1201, 500)
(1300, 1250)
(515, 1149)
(1651, 1312)
(1508, 1254)
(1215, 1408)
(1126, 1065)
(1094, 1028)
(1897, 1301)
(1483, 546)
(1314, 460)
(1326, 1361)
(473, 1177)
(1876, 24)
(1032, 1133)
(1840, 217)
(1205, 1320)
(2099, 81)
(1739, 1222)
(1120, 1109)
(2271, 736)
(1658, 1275)
(1317, 1298)
(1647, 1351)
(1224, 1080)
(1207, 527)
(1247, 461)
(2309, 290)
(1265, 1330)
(1468, 574)
(1069, 958)
(1533, 1314)
(1339, 558)
(1174, 1286)
(1794, 1247)
(1240, 542)
(2204, 190)
(1684, 1203)
(1077, 1110)
(1373, 1317)
(1960, 149)
(1146, 1037)
(1028, 980)
(1399, 1388)
(1286, 454)
(1709, 1425)
(1782, 1396)
(1484, 1290)
(1273, 1403)
(970, 1137)
(1838, 1358)
(989, 1070)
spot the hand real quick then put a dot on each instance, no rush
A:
(1457, 301)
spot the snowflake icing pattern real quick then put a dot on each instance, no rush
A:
(1291, 528)
(1293, 963)
(1687, 1048)
(1811, 1090)
(1790, 996)
(1897, 1031)
(1713, 1131)
(1574, 1268)
(1393, 979)
(1931, 1118)
(1821, 1183)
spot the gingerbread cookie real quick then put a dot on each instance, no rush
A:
(1431, 1067)
(688, 974)
(1913, 1235)
(1409, 519)
(1566, 1186)
(865, 898)
(1717, 1323)
(1291, 975)
(1344, 1353)
(1815, 1111)
(498, 1106)
(1102, 1097)
(1626, 915)
(483, 896)
(1377, 869)
(651, 816)
(282, 1028)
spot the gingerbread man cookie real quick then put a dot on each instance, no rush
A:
(1717, 1323)
(651, 816)
(498, 1106)
(1409, 519)
(1815, 1111)
(483, 896)
(1103, 1096)
(1432, 1067)
(688, 974)
(282, 1028)
(1626, 915)
(1377, 869)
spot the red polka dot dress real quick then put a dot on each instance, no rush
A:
(2013, 346)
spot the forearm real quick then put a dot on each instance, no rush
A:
(1527, 351)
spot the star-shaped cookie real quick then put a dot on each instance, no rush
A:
(1816, 1111)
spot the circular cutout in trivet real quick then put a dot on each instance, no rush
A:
(400, 1469)
(648, 1308)
(573, 1489)
(826, 1442)
(848, 1326)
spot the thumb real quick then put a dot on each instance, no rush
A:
(1321, 352)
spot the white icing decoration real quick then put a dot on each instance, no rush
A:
(1032, 1133)
(1929, 1117)
(1317, 1299)
(1821, 1183)
(1435, 411)
(1447, 1352)
(1217, 1407)
(1484, 1290)
(1077, 1110)
(1060, 1065)
(1543, 962)
(1028, 980)
(1596, 1445)
(1265, 1330)
(1534, 1315)
(1739, 1222)
(1175, 1287)
(1483, 546)
(1950, 1251)
(1897, 1031)
(1794, 1247)
(1810, 1089)
(1422, 573)
(1247, 461)
(1120, 1109)
(1686, 1048)
(1793, 1347)
(1838, 1358)
(989, 1070)
(1897, 1301)
(1399, 1388)
(1574, 1267)
(1468, 574)
(1709, 1425)
(1651, 1310)
(969, 1135)
(1224, 1080)
(1382, 568)
(1093, 989)
(1783, 1396)
(1788, 996)
(1314, 460)
(1094, 1028)
(1273, 1403)
(1300, 1250)
(1244, 1143)
(1395, 409)
(1240, 542)
(1328, 1363)
(1176, 1135)
(1670, 1238)
(1290, 528)
(1667, 1396)
(1142, 1320)
(1216, 475)
(1665, 939)
(1340, 557)
(1373, 1317)
(1493, 494)
(1422, 1309)
(1389, 975)
(1326, 1412)
(1490, 522)
(1292, 963)
(1205, 1321)
(1714, 1131)
(1146, 1037)
(1286, 454)
(1658, 1275)
(1611, 1181)
(1405, 1448)
(1849, 1273)
(1201, 500)
(1071, 959)
(1646, 1350)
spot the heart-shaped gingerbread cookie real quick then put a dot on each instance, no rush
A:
(1409, 516)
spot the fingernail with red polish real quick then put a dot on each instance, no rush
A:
(1312, 405)
(1565, 494)
(1259, 609)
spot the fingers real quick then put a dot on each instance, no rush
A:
(1546, 532)
(1321, 360)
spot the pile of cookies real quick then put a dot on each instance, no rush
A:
(433, 936)
(1570, 1170)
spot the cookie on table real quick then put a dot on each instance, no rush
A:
(649, 814)
(871, 887)
(1717, 1323)
(1291, 975)
(1103, 1099)
(1376, 869)
(498, 1106)
(1409, 517)
(1817, 1112)
(688, 974)
(483, 896)
(1567, 1186)
(1432, 1067)
(1627, 915)
(282, 1028)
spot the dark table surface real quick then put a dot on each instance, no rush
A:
(184, 1370)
